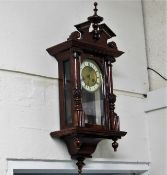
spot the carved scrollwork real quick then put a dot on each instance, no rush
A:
(113, 45)
(74, 35)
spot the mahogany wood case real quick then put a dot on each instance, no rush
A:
(81, 137)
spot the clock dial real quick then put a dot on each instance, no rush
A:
(90, 75)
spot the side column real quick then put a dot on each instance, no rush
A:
(78, 117)
(112, 119)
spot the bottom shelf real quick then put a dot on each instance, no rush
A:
(82, 142)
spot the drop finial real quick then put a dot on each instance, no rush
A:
(80, 164)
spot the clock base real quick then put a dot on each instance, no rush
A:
(82, 142)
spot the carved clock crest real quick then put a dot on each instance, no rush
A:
(87, 101)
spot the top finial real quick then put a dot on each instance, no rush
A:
(95, 9)
(95, 20)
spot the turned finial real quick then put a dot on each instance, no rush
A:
(95, 9)
(95, 20)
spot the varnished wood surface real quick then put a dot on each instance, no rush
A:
(90, 132)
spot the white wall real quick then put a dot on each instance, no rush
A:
(156, 111)
(29, 103)
(29, 27)
(29, 112)
(157, 136)
(154, 12)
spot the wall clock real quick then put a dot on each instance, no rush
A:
(86, 95)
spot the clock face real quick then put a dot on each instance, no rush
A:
(91, 76)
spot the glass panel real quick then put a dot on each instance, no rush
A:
(92, 104)
(92, 98)
(88, 104)
(67, 93)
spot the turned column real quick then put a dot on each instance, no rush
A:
(78, 118)
(112, 120)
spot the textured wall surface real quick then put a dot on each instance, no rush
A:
(29, 111)
(155, 22)
(29, 27)
(154, 13)
(157, 137)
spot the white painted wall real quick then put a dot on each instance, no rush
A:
(29, 103)
(29, 27)
(154, 12)
(156, 111)
(157, 137)
(29, 112)
(155, 23)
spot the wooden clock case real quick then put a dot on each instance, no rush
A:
(82, 138)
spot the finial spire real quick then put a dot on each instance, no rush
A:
(95, 20)
(95, 9)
